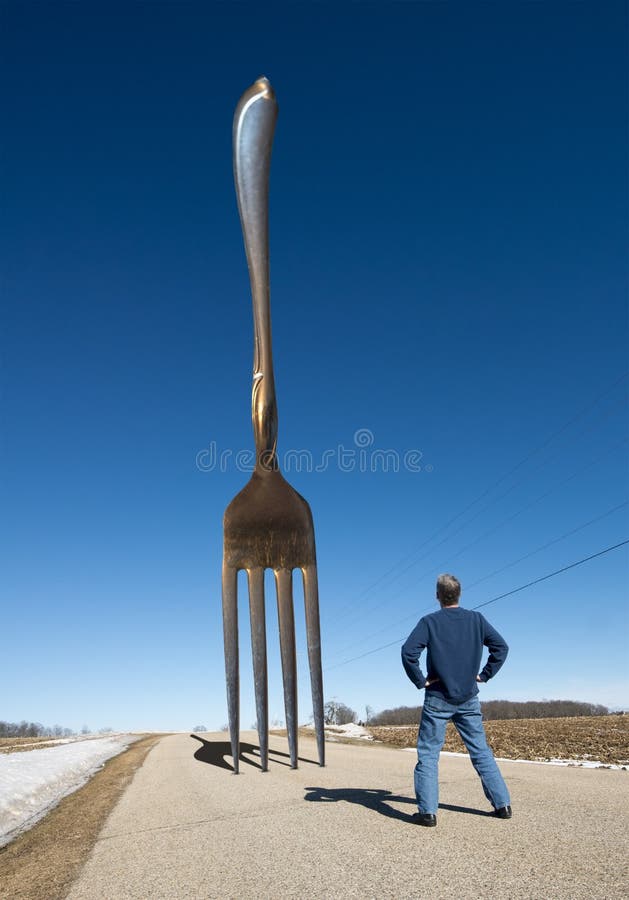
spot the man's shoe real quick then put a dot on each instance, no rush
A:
(427, 819)
(504, 812)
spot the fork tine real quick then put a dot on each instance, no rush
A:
(313, 634)
(284, 584)
(258, 646)
(230, 636)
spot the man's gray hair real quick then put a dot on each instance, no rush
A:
(448, 590)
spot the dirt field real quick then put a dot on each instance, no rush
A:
(15, 744)
(19, 744)
(603, 738)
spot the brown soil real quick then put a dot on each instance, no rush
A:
(42, 863)
(10, 743)
(603, 738)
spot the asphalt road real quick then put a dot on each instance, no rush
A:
(188, 828)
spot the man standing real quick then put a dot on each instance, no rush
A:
(454, 638)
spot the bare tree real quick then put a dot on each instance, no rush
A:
(399, 715)
(337, 713)
(499, 709)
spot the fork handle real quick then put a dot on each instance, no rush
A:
(254, 125)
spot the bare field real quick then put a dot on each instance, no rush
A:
(603, 738)
(19, 744)
(15, 744)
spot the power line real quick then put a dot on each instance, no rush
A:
(552, 574)
(510, 565)
(494, 528)
(523, 587)
(549, 544)
(350, 607)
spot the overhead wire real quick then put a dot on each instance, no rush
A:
(549, 544)
(510, 565)
(510, 593)
(493, 529)
(552, 574)
(465, 524)
(586, 409)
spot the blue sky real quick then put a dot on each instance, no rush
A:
(449, 278)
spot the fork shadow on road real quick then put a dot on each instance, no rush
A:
(214, 753)
(378, 800)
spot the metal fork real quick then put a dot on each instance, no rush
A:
(268, 525)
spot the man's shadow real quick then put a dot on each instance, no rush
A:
(214, 753)
(378, 801)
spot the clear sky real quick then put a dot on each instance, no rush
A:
(449, 283)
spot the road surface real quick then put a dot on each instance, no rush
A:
(188, 828)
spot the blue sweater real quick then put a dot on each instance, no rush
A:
(454, 638)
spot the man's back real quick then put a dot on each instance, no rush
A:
(454, 638)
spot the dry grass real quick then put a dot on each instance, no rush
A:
(603, 738)
(42, 863)
(17, 744)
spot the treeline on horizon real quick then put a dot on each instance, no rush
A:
(499, 709)
(36, 729)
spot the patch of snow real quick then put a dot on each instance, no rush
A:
(351, 730)
(580, 763)
(33, 781)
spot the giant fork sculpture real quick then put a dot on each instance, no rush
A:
(268, 525)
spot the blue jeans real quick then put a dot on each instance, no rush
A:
(432, 729)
